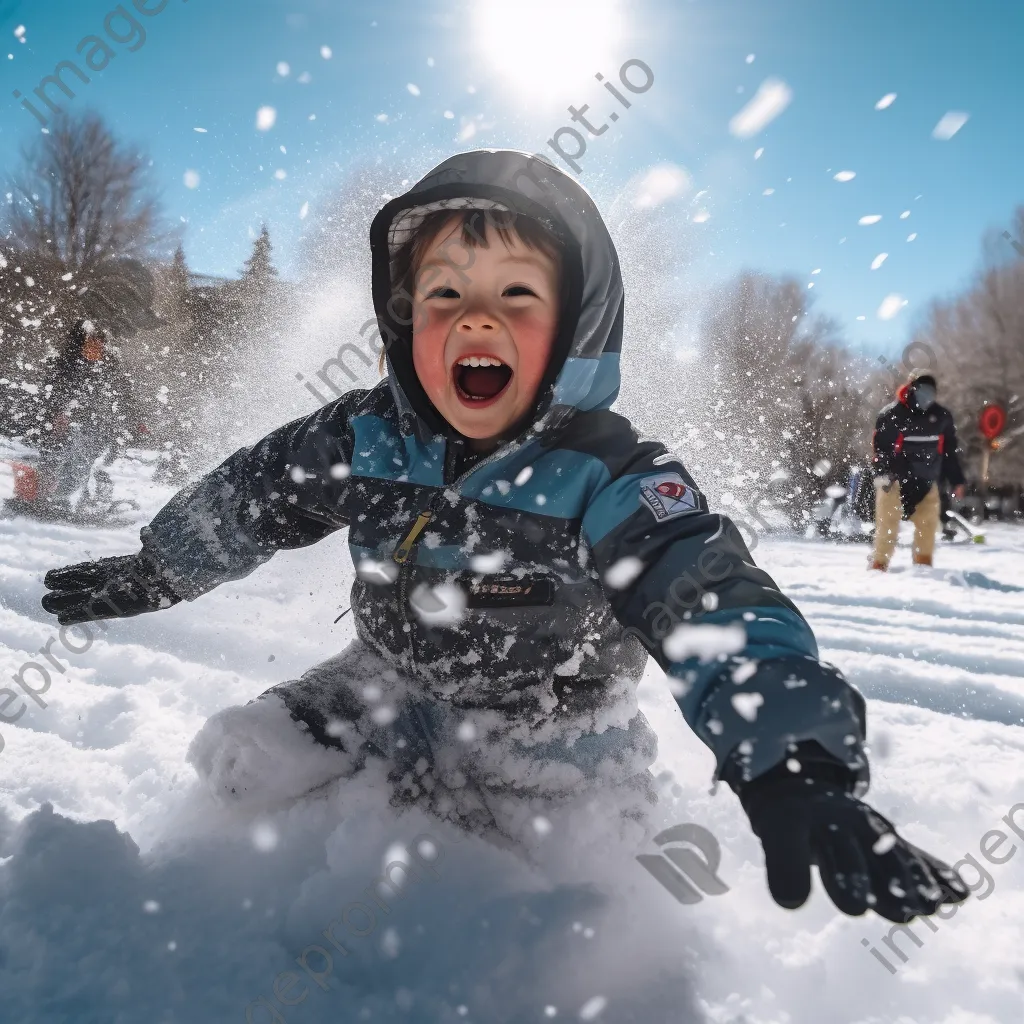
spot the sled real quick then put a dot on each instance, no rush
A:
(965, 527)
(836, 518)
(112, 517)
(20, 485)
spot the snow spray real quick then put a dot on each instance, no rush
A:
(360, 920)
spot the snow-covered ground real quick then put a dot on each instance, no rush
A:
(196, 915)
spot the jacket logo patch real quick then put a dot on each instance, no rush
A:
(668, 495)
(508, 592)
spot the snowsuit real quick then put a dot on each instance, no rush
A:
(91, 407)
(504, 608)
(916, 449)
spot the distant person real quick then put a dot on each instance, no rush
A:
(914, 449)
(91, 407)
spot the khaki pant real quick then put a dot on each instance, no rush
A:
(889, 513)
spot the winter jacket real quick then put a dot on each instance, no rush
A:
(917, 448)
(531, 578)
(97, 396)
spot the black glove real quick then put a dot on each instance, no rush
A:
(111, 588)
(812, 817)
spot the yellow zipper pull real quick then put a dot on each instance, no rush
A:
(403, 549)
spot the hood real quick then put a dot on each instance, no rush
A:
(584, 370)
(903, 392)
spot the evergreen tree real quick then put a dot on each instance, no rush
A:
(259, 272)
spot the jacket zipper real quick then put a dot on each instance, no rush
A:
(402, 552)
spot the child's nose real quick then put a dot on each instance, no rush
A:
(476, 321)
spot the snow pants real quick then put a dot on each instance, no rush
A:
(889, 514)
(471, 766)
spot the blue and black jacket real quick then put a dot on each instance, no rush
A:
(532, 577)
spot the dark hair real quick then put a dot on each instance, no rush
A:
(472, 225)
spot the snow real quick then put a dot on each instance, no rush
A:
(845, 175)
(891, 305)
(623, 571)
(949, 124)
(770, 100)
(886, 101)
(265, 118)
(704, 642)
(661, 183)
(138, 898)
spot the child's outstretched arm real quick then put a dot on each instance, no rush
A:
(787, 730)
(283, 492)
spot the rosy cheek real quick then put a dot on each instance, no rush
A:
(429, 336)
(534, 339)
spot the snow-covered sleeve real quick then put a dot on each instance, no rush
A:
(741, 660)
(285, 491)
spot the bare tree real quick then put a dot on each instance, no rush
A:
(82, 198)
(978, 338)
(81, 221)
(783, 405)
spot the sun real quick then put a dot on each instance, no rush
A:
(547, 48)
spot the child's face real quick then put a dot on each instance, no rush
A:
(492, 303)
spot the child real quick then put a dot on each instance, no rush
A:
(505, 526)
(90, 408)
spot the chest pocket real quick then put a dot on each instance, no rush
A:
(924, 454)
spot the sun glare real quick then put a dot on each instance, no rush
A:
(545, 48)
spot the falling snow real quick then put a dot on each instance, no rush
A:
(949, 124)
(770, 100)
(891, 305)
(265, 118)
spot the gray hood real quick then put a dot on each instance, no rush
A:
(584, 369)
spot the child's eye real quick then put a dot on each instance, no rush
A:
(443, 292)
(518, 289)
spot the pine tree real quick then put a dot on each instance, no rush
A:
(259, 272)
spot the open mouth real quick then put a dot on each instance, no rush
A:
(480, 380)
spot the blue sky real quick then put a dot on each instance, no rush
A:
(213, 63)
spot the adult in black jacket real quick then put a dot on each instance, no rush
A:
(915, 448)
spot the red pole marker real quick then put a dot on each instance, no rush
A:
(991, 421)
